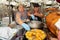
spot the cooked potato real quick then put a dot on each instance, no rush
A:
(35, 34)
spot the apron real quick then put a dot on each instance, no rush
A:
(23, 15)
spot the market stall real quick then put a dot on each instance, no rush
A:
(46, 29)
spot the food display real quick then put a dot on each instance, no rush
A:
(51, 9)
(35, 34)
(51, 19)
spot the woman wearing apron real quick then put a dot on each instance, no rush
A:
(21, 15)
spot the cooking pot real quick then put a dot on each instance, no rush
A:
(36, 24)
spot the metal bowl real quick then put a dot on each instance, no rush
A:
(35, 24)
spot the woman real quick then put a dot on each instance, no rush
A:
(36, 14)
(21, 15)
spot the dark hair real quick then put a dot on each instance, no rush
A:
(36, 5)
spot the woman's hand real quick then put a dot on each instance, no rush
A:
(25, 26)
(32, 16)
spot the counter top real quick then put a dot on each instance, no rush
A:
(7, 32)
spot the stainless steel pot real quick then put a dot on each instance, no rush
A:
(36, 24)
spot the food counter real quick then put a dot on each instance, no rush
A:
(8, 33)
(13, 32)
